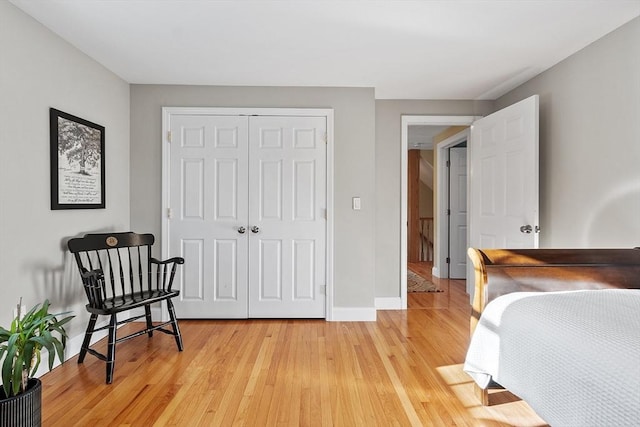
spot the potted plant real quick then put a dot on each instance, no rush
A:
(20, 346)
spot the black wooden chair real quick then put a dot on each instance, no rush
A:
(119, 274)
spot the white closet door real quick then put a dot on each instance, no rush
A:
(227, 175)
(287, 211)
(208, 199)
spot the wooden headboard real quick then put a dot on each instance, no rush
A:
(502, 271)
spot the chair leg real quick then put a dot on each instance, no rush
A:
(87, 337)
(174, 324)
(111, 348)
(147, 312)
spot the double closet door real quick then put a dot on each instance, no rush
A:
(247, 198)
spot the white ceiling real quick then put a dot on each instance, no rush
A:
(454, 49)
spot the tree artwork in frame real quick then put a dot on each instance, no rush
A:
(77, 162)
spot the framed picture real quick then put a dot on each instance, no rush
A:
(77, 162)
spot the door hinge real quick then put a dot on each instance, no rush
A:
(169, 213)
(169, 135)
(323, 289)
(448, 260)
(326, 138)
(448, 211)
(448, 163)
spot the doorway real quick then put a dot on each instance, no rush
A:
(452, 196)
(439, 256)
(503, 196)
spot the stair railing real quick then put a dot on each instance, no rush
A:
(426, 238)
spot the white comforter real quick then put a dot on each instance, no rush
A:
(573, 356)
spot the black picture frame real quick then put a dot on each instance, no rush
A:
(77, 162)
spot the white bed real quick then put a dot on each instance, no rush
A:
(574, 356)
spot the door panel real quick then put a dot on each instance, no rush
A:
(290, 243)
(225, 280)
(192, 288)
(304, 190)
(227, 189)
(270, 270)
(270, 193)
(303, 269)
(193, 179)
(208, 195)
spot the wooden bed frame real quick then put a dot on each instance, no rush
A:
(502, 271)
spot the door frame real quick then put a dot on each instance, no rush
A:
(406, 121)
(327, 113)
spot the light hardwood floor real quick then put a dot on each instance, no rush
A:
(405, 369)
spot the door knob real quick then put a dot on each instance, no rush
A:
(241, 230)
(527, 229)
(255, 229)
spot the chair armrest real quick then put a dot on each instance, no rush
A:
(177, 260)
(166, 271)
(94, 287)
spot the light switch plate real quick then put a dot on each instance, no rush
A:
(356, 203)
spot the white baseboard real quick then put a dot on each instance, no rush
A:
(389, 303)
(435, 272)
(353, 314)
(158, 313)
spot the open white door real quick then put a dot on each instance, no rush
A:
(503, 179)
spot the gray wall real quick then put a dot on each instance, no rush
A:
(39, 70)
(590, 143)
(354, 161)
(387, 170)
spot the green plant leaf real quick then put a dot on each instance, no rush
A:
(47, 341)
(42, 341)
(7, 370)
(4, 334)
(52, 355)
(12, 341)
(36, 364)
(17, 374)
(59, 349)
(28, 354)
(43, 309)
(62, 322)
(29, 313)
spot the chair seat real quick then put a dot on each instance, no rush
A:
(130, 301)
